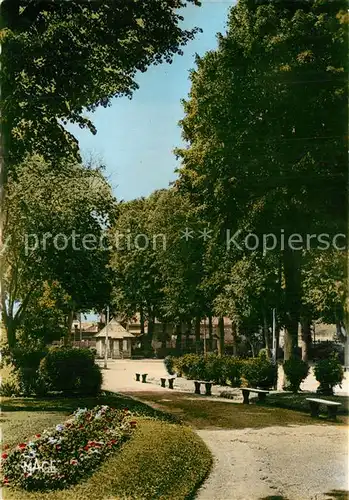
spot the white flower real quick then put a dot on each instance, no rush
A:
(59, 427)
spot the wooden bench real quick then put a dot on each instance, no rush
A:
(170, 381)
(144, 377)
(262, 394)
(208, 386)
(332, 407)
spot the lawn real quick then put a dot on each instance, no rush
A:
(299, 401)
(210, 414)
(162, 460)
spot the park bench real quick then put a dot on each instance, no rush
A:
(262, 394)
(332, 407)
(170, 381)
(144, 377)
(208, 386)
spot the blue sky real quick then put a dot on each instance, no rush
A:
(135, 138)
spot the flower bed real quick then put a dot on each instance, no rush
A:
(62, 456)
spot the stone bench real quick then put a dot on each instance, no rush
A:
(262, 394)
(208, 386)
(332, 407)
(170, 381)
(144, 377)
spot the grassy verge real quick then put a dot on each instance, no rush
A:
(206, 414)
(162, 460)
(299, 401)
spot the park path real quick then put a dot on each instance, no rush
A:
(293, 463)
(284, 463)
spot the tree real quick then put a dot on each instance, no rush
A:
(56, 219)
(137, 280)
(61, 59)
(265, 124)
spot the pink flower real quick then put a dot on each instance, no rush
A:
(37, 435)
(21, 446)
(4, 456)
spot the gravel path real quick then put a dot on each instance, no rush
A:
(297, 463)
(289, 463)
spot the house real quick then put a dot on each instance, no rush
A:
(119, 340)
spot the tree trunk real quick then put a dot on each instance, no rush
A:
(149, 337)
(306, 337)
(163, 336)
(11, 333)
(221, 336)
(266, 333)
(187, 334)
(198, 334)
(292, 274)
(210, 334)
(67, 336)
(142, 320)
(234, 335)
(178, 338)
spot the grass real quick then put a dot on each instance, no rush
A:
(211, 414)
(299, 401)
(162, 460)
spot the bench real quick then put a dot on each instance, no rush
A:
(262, 394)
(144, 377)
(332, 407)
(170, 381)
(208, 386)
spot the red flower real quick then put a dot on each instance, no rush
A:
(22, 446)
(126, 409)
(4, 456)
(25, 474)
(37, 435)
(58, 447)
(6, 481)
(6, 446)
(86, 448)
(133, 424)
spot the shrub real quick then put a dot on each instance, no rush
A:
(233, 370)
(328, 373)
(324, 349)
(26, 358)
(296, 371)
(215, 369)
(191, 366)
(71, 370)
(259, 372)
(70, 451)
(169, 363)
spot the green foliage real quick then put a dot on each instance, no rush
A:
(60, 59)
(249, 163)
(169, 363)
(215, 369)
(296, 371)
(49, 279)
(233, 370)
(71, 371)
(329, 372)
(26, 358)
(259, 373)
(191, 366)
